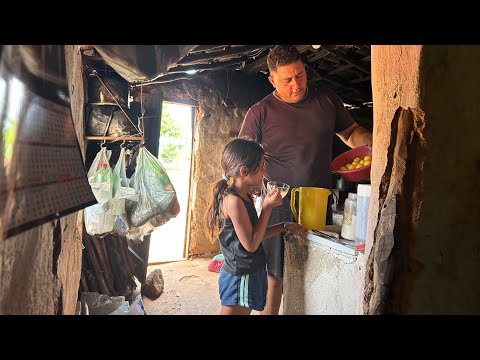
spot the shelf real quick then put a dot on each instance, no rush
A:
(119, 138)
(345, 246)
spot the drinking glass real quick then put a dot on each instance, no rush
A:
(281, 186)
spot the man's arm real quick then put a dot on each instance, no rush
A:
(355, 136)
(250, 127)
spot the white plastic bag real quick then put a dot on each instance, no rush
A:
(122, 193)
(99, 218)
(157, 196)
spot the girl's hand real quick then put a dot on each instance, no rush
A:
(272, 199)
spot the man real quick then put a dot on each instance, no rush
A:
(295, 126)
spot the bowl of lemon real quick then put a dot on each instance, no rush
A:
(354, 165)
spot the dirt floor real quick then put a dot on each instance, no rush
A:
(190, 289)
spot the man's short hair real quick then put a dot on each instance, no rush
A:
(281, 55)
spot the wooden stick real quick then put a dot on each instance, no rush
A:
(104, 265)
(83, 282)
(118, 263)
(96, 266)
(86, 266)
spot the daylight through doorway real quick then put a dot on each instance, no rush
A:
(167, 243)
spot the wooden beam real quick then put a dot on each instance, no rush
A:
(348, 66)
(212, 66)
(180, 101)
(179, 72)
(334, 82)
(257, 65)
(317, 55)
(201, 48)
(240, 50)
(340, 69)
(359, 80)
(116, 138)
(344, 57)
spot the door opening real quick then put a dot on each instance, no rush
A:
(168, 242)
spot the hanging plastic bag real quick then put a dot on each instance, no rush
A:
(136, 234)
(101, 188)
(99, 218)
(122, 194)
(157, 197)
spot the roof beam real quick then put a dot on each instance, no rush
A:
(218, 65)
(343, 57)
(237, 50)
(330, 80)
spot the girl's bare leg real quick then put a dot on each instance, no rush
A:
(274, 295)
(235, 310)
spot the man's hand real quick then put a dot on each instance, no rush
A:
(294, 228)
(297, 231)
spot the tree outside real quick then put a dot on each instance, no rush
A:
(168, 241)
(172, 138)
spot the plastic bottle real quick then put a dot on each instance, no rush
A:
(349, 217)
(102, 174)
(101, 188)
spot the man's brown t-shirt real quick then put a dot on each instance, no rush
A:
(297, 138)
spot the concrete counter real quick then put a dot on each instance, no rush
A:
(323, 277)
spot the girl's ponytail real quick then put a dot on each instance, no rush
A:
(214, 214)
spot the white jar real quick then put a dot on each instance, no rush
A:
(349, 217)
(363, 203)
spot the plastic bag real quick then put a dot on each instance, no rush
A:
(103, 156)
(122, 194)
(99, 218)
(158, 199)
(136, 308)
(100, 304)
(136, 234)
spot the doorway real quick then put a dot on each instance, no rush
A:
(168, 242)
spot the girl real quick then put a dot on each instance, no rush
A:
(233, 219)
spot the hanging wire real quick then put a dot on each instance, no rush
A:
(108, 123)
(141, 111)
(229, 80)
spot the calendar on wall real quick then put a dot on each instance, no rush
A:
(45, 174)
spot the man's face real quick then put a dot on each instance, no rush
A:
(290, 81)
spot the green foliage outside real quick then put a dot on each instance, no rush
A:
(172, 141)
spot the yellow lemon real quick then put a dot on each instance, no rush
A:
(357, 159)
(359, 166)
(367, 162)
(350, 166)
(367, 158)
(343, 168)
